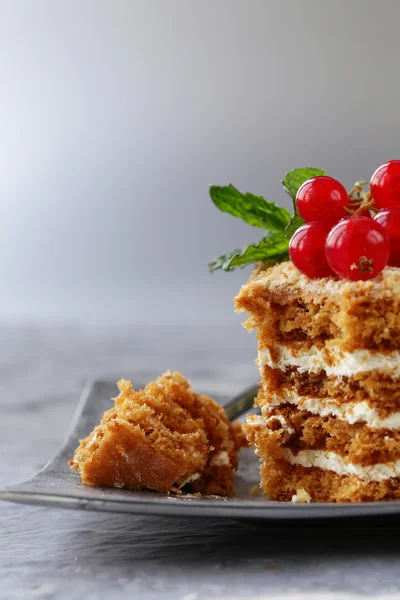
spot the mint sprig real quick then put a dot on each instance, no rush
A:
(295, 179)
(256, 211)
(273, 247)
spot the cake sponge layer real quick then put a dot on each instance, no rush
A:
(325, 475)
(369, 393)
(281, 480)
(285, 305)
(288, 427)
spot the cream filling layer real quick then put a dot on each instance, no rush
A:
(332, 360)
(351, 412)
(333, 462)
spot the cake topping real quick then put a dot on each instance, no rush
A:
(310, 194)
(385, 185)
(343, 236)
(307, 249)
(276, 221)
(357, 248)
(390, 221)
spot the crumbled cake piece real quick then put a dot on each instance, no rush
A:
(163, 438)
(254, 490)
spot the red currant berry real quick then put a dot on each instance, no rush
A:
(357, 248)
(321, 198)
(307, 249)
(390, 221)
(385, 185)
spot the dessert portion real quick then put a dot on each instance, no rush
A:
(329, 356)
(165, 437)
(328, 327)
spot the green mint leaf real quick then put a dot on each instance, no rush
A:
(254, 210)
(294, 179)
(295, 222)
(270, 250)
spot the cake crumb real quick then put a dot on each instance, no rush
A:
(254, 491)
(166, 438)
(301, 496)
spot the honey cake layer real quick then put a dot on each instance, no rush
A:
(287, 427)
(281, 481)
(371, 396)
(309, 357)
(285, 305)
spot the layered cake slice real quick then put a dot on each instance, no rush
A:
(328, 326)
(329, 357)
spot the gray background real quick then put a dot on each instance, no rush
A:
(116, 115)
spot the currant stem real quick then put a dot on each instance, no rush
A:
(365, 204)
(359, 200)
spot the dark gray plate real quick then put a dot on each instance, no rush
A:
(56, 485)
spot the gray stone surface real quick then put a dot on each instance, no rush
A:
(61, 554)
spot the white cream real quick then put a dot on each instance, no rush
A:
(220, 459)
(189, 479)
(332, 360)
(351, 412)
(333, 462)
(256, 420)
(263, 421)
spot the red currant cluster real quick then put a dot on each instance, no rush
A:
(351, 235)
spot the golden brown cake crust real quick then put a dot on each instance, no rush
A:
(160, 438)
(118, 455)
(379, 391)
(285, 305)
(359, 443)
(280, 481)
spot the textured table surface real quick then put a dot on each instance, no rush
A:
(69, 554)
